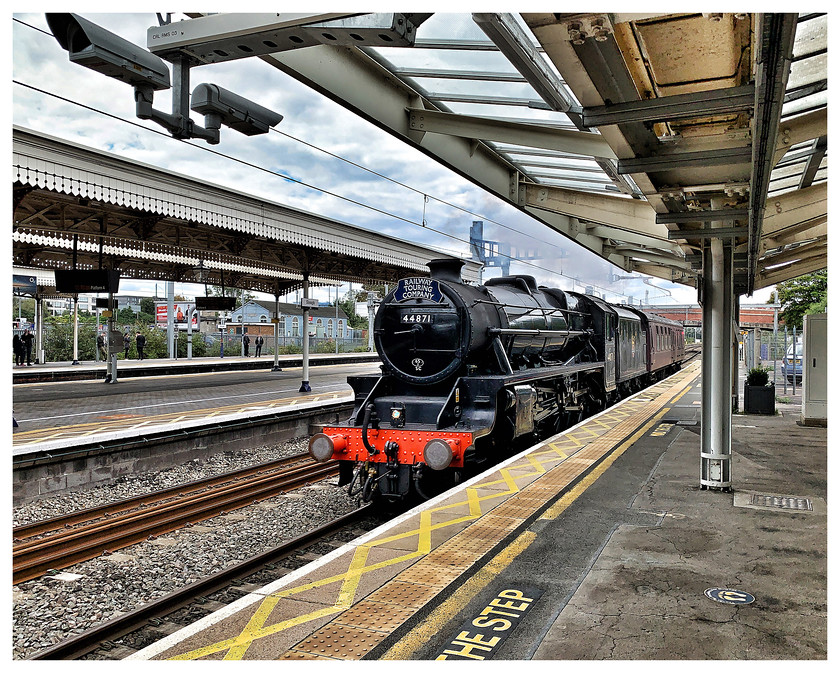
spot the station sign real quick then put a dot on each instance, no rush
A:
(481, 636)
(308, 302)
(418, 288)
(89, 280)
(215, 303)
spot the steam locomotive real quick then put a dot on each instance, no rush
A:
(471, 372)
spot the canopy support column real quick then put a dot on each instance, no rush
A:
(304, 385)
(718, 303)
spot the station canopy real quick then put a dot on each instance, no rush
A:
(640, 136)
(76, 207)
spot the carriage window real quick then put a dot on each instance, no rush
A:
(608, 326)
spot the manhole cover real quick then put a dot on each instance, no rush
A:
(729, 596)
(781, 501)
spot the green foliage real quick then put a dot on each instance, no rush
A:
(348, 305)
(147, 306)
(758, 376)
(125, 316)
(27, 308)
(802, 296)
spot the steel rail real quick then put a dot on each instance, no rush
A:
(33, 559)
(77, 646)
(28, 530)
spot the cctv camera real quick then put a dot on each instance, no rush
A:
(98, 49)
(220, 106)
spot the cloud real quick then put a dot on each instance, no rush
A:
(66, 100)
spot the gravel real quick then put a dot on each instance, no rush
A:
(52, 608)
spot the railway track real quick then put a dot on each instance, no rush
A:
(155, 619)
(63, 541)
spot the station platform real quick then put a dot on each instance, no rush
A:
(67, 371)
(597, 544)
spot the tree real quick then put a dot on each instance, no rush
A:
(147, 305)
(348, 305)
(802, 296)
(126, 316)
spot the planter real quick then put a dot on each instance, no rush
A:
(759, 399)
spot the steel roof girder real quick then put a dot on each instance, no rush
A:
(512, 41)
(670, 108)
(766, 278)
(631, 214)
(514, 133)
(800, 129)
(360, 84)
(815, 248)
(635, 238)
(666, 161)
(792, 209)
(803, 232)
(725, 215)
(681, 276)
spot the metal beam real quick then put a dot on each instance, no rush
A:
(775, 36)
(619, 212)
(360, 84)
(814, 161)
(635, 238)
(515, 133)
(686, 160)
(517, 47)
(799, 130)
(767, 278)
(794, 208)
(669, 108)
(726, 215)
(723, 232)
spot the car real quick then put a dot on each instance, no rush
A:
(792, 365)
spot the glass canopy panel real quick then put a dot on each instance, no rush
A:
(455, 65)
(811, 36)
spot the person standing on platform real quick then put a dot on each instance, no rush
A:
(258, 344)
(141, 344)
(246, 341)
(126, 344)
(28, 340)
(17, 347)
(100, 344)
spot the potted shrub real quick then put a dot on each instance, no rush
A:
(759, 393)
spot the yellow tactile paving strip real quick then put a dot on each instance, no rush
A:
(127, 422)
(349, 604)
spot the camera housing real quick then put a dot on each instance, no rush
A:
(220, 106)
(101, 50)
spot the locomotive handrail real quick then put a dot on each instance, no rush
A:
(528, 308)
(538, 332)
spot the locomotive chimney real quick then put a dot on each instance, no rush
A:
(447, 269)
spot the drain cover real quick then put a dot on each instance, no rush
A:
(781, 501)
(729, 596)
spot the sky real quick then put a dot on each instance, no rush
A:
(331, 156)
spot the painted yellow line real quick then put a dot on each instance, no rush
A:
(434, 622)
(438, 619)
(560, 506)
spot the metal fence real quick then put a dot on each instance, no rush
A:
(58, 344)
(772, 348)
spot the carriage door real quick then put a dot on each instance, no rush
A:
(610, 362)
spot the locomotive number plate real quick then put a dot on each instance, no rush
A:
(417, 317)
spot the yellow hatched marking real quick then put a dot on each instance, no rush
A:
(536, 463)
(237, 647)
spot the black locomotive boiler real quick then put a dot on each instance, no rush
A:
(469, 372)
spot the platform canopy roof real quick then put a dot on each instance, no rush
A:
(640, 136)
(76, 207)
